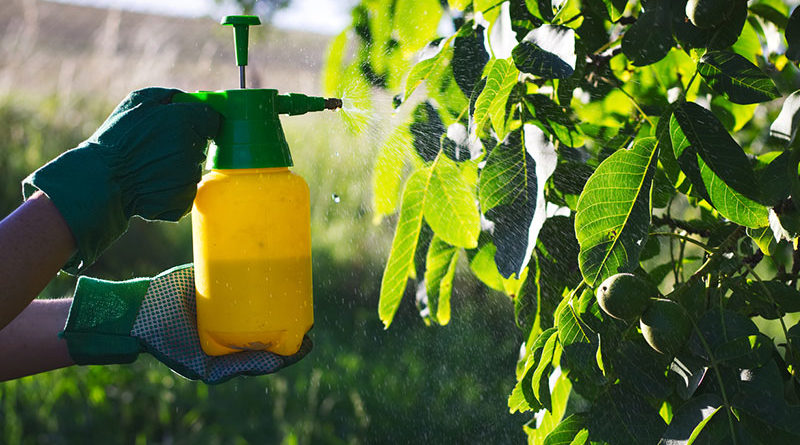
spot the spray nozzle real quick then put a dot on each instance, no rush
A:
(296, 103)
(333, 103)
(241, 25)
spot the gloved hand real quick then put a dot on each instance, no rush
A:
(145, 160)
(112, 322)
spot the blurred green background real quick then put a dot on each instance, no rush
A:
(62, 70)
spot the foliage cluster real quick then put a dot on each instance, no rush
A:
(558, 143)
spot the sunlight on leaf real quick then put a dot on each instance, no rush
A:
(401, 257)
(450, 206)
(737, 78)
(613, 214)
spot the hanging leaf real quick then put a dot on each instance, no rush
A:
(557, 120)
(427, 130)
(621, 416)
(540, 377)
(522, 20)
(469, 57)
(736, 77)
(571, 431)
(450, 207)
(511, 195)
(724, 168)
(401, 256)
(720, 36)
(439, 271)
(770, 14)
(426, 68)
(613, 213)
(691, 418)
(718, 327)
(580, 344)
(535, 357)
(547, 52)
(649, 39)
(792, 34)
(415, 22)
(491, 103)
(615, 8)
(786, 124)
(334, 64)
(641, 368)
(387, 174)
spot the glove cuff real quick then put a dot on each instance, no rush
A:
(91, 204)
(101, 317)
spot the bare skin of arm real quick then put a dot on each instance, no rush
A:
(36, 243)
(30, 343)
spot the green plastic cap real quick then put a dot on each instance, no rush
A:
(241, 25)
(251, 135)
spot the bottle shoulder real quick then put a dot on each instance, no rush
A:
(261, 179)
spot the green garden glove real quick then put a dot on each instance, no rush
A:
(113, 321)
(145, 160)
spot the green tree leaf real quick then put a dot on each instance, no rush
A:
(770, 14)
(439, 272)
(450, 207)
(508, 176)
(571, 431)
(401, 257)
(540, 377)
(724, 168)
(649, 39)
(511, 194)
(792, 34)
(641, 368)
(580, 344)
(469, 57)
(615, 8)
(459, 5)
(613, 212)
(786, 124)
(620, 416)
(426, 68)
(547, 52)
(734, 76)
(491, 103)
(524, 387)
(752, 351)
(718, 37)
(427, 130)
(483, 266)
(334, 63)
(691, 418)
(555, 119)
(415, 22)
(387, 174)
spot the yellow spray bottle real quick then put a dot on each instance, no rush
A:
(250, 221)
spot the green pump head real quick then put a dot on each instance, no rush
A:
(251, 135)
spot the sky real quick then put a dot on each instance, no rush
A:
(322, 16)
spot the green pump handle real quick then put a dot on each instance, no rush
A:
(251, 135)
(241, 25)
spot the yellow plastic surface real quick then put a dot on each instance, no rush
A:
(252, 259)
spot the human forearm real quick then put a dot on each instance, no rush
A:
(36, 242)
(30, 343)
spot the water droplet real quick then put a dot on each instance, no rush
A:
(335, 198)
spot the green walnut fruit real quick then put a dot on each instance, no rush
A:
(666, 326)
(708, 13)
(625, 296)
